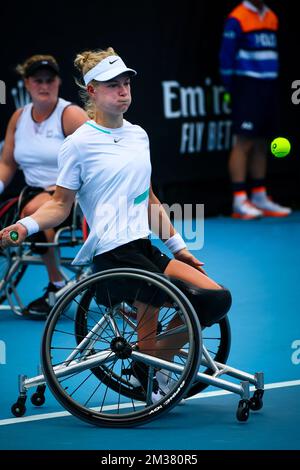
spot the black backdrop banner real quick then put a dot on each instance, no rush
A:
(177, 94)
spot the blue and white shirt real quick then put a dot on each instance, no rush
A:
(249, 45)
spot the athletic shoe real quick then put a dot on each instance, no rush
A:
(40, 307)
(156, 396)
(246, 211)
(139, 375)
(270, 208)
(162, 385)
(162, 382)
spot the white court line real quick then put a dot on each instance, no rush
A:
(291, 383)
(60, 414)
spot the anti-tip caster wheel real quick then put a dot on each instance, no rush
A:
(18, 409)
(243, 410)
(256, 402)
(38, 398)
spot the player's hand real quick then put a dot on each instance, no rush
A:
(186, 257)
(7, 239)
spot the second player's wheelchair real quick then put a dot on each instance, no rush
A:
(94, 363)
(15, 261)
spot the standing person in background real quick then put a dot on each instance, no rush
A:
(249, 71)
(33, 138)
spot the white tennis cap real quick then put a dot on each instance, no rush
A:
(108, 68)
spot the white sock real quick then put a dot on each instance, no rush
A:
(163, 379)
(259, 196)
(238, 199)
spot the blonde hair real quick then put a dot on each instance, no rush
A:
(84, 62)
(23, 68)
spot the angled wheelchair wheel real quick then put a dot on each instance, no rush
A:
(102, 350)
(8, 215)
(8, 212)
(6, 260)
(217, 340)
(4, 267)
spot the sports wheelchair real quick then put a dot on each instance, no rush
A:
(95, 362)
(14, 261)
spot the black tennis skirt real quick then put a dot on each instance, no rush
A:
(140, 254)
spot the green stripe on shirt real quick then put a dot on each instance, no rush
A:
(141, 197)
(98, 128)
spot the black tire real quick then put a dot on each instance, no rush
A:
(243, 411)
(18, 409)
(59, 340)
(256, 402)
(217, 340)
(37, 399)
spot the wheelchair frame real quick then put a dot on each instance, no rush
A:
(84, 358)
(20, 257)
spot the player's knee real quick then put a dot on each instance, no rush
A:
(246, 145)
(27, 210)
(34, 204)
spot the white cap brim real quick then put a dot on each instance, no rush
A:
(107, 69)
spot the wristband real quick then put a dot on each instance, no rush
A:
(30, 224)
(2, 186)
(175, 243)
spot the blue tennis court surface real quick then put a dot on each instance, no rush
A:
(259, 262)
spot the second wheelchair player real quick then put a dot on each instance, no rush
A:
(34, 135)
(107, 163)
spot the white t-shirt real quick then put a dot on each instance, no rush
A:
(111, 170)
(37, 145)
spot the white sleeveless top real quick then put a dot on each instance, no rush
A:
(37, 145)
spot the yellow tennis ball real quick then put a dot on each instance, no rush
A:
(280, 147)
